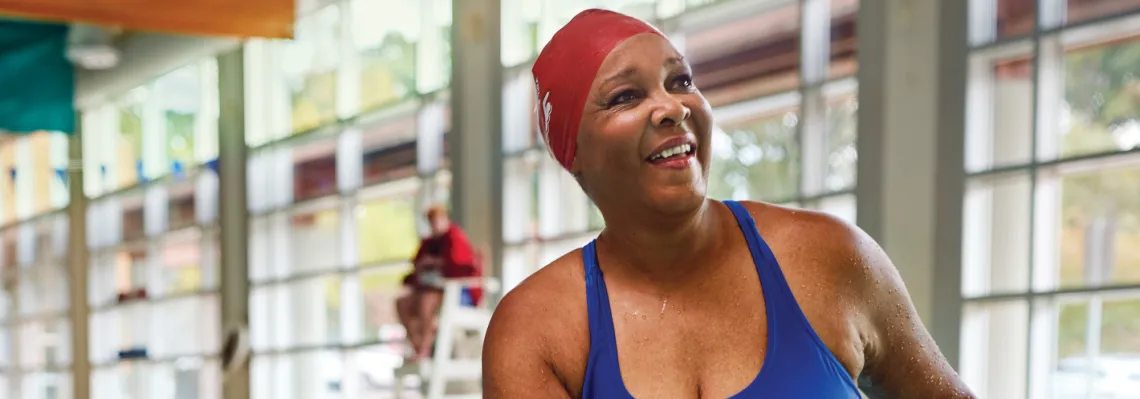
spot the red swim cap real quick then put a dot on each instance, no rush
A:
(565, 70)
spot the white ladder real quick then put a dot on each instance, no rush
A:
(455, 323)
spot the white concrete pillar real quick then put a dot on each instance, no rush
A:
(911, 180)
(476, 137)
(233, 212)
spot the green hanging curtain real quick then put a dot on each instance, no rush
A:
(37, 82)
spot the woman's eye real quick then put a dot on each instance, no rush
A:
(683, 82)
(622, 97)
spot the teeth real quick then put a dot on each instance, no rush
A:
(671, 151)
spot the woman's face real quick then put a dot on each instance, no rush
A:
(645, 133)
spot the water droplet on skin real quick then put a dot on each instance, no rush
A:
(643, 317)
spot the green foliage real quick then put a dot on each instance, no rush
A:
(764, 161)
(1102, 91)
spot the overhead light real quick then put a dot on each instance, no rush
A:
(92, 47)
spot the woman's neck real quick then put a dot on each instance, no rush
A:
(667, 249)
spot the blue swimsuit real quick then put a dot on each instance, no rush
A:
(798, 365)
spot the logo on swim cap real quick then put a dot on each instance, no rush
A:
(542, 109)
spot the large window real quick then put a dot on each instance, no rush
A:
(786, 123)
(1052, 209)
(35, 344)
(350, 58)
(337, 217)
(151, 229)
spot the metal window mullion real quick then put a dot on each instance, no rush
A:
(814, 56)
(1050, 15)
(348, 74)
(1039, 102)
(983, 21)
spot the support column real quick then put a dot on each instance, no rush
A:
(233, 212)
(77, 256)
(476, 136)
(912, 97)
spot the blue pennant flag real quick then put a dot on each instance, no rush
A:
(213, 165)
(61, 173)
(37, 81)
(139, 169)
(12, 174)
(177, 171)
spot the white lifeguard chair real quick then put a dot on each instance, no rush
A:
(458, 345)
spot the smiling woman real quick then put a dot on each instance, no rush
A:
(682, 295)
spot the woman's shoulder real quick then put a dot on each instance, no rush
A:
(558, 283)
(806, 227)
(553, 294)
(544, 316)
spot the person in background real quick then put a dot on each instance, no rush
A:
(445, 254)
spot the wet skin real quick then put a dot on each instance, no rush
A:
(687, 304)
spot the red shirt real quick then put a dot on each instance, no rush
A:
(459, 257)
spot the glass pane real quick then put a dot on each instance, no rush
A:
(1085, 10)
(995, 236)
(184, 326)
(313, 312)
(178, 96)
(520, 19)
(748, 58)
(1120, 330)
(1099, 226)
(6, 349)
(314, 241)
(7, 308)
(304, 375)
(43, 289)
(45, 344)
(1096, 348)
(1000, 124)
(1100, 110)
(994, 353)
(373, 369)
(134, 222)
(46, 385)
(520, 208)
(390, 151)
(433, 66)
(843, 50)
(182, 211)
(386, 230)
(385, 33)
(128, 165)
(187, 378)
(180, 270)
(1015, 17)
(314, 170)
(310, 68)
(841, 206)
(842, 128)
(757, 159)
(519, 262)
(381, 288)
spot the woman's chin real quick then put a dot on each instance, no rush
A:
(677, 199)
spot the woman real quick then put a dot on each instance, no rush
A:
(682, 296)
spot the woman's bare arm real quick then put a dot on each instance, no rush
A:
(902, 360)
(515, 359)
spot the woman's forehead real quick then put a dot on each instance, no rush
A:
(639, 55)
